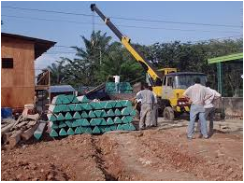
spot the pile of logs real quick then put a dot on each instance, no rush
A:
(26, 126)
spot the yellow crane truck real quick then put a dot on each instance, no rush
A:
(167, 83)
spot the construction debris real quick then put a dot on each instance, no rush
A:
(12, 131)
(81, 115)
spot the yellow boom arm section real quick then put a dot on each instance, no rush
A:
(154, 74)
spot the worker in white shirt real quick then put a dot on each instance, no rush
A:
(197, 94)
(116, 80)
(147, 100)
(209, 106)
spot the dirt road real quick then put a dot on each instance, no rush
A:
(162, 153)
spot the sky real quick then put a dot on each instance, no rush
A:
(165, 22)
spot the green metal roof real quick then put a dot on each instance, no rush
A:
(226, 58)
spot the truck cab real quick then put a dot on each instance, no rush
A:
(173, 87)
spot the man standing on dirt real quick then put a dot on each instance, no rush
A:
(209, 106)
(197, 94)
(147, 101)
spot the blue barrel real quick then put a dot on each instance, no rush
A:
(6, 112)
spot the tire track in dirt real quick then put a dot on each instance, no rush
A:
(100, 160)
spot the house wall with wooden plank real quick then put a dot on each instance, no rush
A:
(18, 71)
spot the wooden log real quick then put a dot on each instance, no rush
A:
(26, 135)
(7, 128)
(31, 123)
(23, 123)
(8, 120)
(34, 117)
(39, 131)
(14, 138)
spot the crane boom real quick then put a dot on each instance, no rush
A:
(150, 69)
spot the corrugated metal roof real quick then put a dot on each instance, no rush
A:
(61, 88)
(232, 57)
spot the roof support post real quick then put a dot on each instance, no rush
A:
(219, 72)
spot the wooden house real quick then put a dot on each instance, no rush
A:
(18, 68)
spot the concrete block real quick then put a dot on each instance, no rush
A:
(76, 115)
(95, 121)
(98, 113)
(70, 97)
(95, 105)
(88, 130)
(78, 107)
(96, 130)
(91, 114)
(110, 121)
(62, 124)
(56, 100)
(107, 129)
(54, 125)
(120, 127)
(78, 130)
(54, 108)
(40, 129)
(85, 122)
(65, 100)
(110, 113)
(62, 132)
(117, 120)
(103, 122)
(103, 129)
(132, 127)
(53, 133)
(68, 116)
(113, 127)
(108, 105)
(75, 100)
(68, 123)
(126, 127)
(72, 107)
(52, 117)
(86, 107)
(125, 111)
(60, 117)
(117, 112)
(129, 118)
(133, 112)
(118, 104)
(124, 119)
(64, 108)
(84, 114)
(70, 131)
(76, 123)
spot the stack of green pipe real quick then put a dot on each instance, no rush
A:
(70, 115)
(124, 87)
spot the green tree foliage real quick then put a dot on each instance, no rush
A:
(57, 72)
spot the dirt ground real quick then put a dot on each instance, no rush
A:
(161, 153)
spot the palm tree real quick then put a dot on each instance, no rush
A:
(57, 72)
(89, 58)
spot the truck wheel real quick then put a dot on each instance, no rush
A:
(168, 113)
